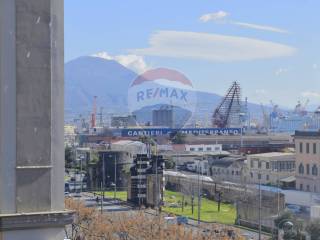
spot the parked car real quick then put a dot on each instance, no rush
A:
(170, 220)
(182, 220)
(294, 208)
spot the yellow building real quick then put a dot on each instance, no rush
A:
(307, 146)
(270, 168)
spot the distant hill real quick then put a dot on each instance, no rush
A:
(86, 77)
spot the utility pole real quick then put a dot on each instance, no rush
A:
(103, 171)
(199, 193)
(278, 192)
(241, 140)
(115, 176)
(260, 207)
(81, 179)
(101, 199)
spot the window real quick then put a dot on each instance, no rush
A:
(191, 149)
(307, 147)
(301, 169)
(267, 177)
(301, 147)
(301, 186)
(251, 163)
(267, 165)
(251, 174)
(314, 170)
(259, 164)
(200, 149)
(209, 149)
(259, 175)
(315, 188)
(308, 188)
(308, 169)
(314, 148)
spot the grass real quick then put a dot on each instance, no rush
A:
(209, 209)
(122, 195)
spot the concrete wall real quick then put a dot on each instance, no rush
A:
(7, 109)
(31, 120)
(40, 234)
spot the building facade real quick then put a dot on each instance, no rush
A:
(270, 168)
(307, 145)
(203, 148)
(231, 169)
(162, 117)
(146, 182)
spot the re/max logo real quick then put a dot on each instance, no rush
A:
(152, 93)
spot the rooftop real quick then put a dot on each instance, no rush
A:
(307, 134)
(272, 154)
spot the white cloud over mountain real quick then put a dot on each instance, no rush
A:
(311, 94)
(212, 47)
(134, 62)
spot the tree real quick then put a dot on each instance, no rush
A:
(178, 138)
(292, 233)
(169, 163)
(279, 221)
(313, 229)
(90, 224)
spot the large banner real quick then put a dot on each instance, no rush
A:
(135, 132)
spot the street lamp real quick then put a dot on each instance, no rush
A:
(260, 205)
(199, 189)
(115, 176)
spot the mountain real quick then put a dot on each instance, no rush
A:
(86, 77)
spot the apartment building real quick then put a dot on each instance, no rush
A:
(307, 145)
(270, 168)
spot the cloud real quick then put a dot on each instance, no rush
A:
(310, 94)
(134, 62)
(259, 27)
(280, 71)
(214, 16)
(260, 91)
(211, 47)
(221, 16)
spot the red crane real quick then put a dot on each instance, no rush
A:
(94, 112)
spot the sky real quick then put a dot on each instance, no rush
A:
(270, 47)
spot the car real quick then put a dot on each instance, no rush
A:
(170, 219)
(248, 236)
(294, 208)
(77, 195)
(182, 220)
